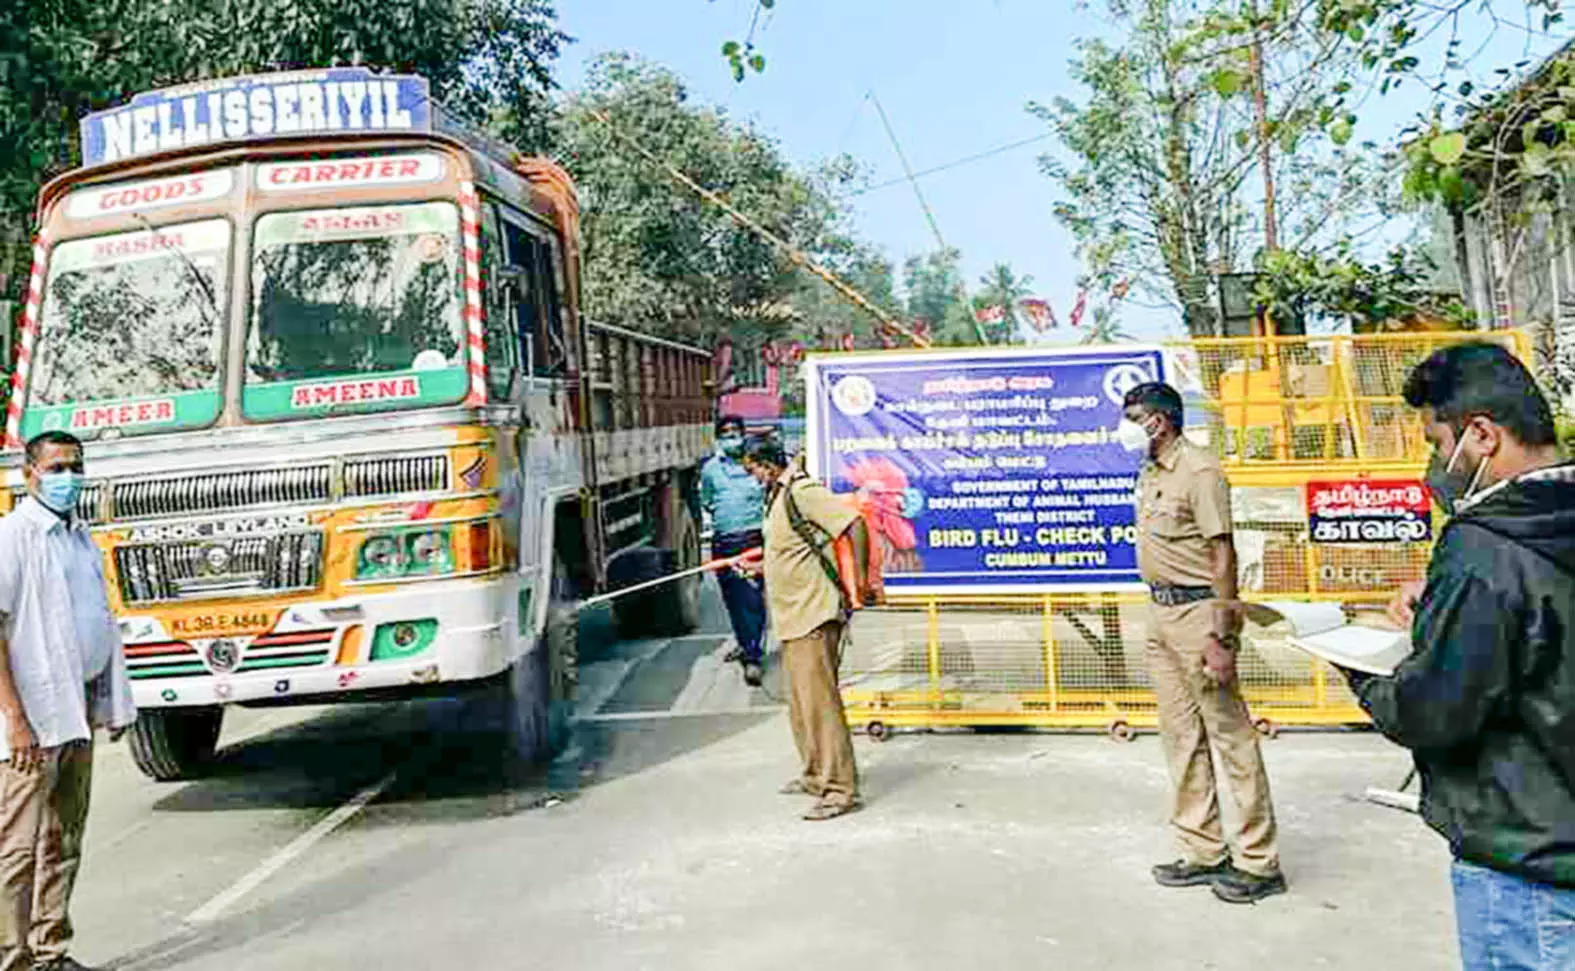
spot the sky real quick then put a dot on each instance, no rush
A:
(953, 76)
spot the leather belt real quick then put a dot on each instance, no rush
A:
(1172, 596)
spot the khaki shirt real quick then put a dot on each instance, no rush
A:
(799, 594)
(1183, 501)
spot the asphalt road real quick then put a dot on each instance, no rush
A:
(396, 837)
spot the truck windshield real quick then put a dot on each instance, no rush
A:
(355, 310)
(130, 332)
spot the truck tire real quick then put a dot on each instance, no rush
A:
(541, 684)
(670, 610)
(172, 744)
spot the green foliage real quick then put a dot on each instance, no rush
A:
(1003, 287)
(1514, 142)
(660, 259)
(933, 288)
(63, 58)
(742, 54)
(1341, 289)
(1160, 174)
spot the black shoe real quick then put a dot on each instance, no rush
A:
(1184, 874)
(1237, 887)
(754, 675)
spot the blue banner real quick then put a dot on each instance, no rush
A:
(989, 472)
(332, 101)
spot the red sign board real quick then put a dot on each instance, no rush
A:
(1370, 511)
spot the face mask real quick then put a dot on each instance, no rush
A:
(1132, 436)
(732, 445)
(60, 490)
(1448, 486)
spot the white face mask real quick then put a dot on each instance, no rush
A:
(1132, 436)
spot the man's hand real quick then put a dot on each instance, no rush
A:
(751, 563)
(1402, 609)
(1228, 616)
(26, 756)
(1219, 661)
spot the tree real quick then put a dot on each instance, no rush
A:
(657, 256)
(61, 59)
(1002, 287)
(1106, 327)
(1166, 155)
(932, 292)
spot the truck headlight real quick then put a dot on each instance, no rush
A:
(429, 551)
(380, 556)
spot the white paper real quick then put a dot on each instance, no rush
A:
(1372, 650)
(1305, 618)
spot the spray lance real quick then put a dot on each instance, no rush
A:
(710, 566)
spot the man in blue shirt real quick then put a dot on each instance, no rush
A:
(736, 504)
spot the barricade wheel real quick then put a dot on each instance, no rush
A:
(1266, 727)
(1120, 731)
(877, 731)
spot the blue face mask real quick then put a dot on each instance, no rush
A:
(60, 490)
(731, 445)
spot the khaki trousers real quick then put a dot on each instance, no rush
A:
(42, 818)
(1195, 715)
(820, 728)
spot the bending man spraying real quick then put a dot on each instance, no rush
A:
(804, 521)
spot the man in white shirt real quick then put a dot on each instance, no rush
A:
(62, 674)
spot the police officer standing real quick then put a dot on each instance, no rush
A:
(1186, 557)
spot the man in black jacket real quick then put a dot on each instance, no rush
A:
(1486, 701)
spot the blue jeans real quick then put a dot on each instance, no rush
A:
(1508, 923)
(745, 598)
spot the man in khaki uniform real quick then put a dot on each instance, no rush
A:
(1186, 557)
(808, 614)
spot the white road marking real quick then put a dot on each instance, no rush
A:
(215, 908)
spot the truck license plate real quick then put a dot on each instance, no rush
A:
(222, 623)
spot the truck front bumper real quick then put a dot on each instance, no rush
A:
(334, 647)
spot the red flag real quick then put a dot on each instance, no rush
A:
(1079, 307)
(990, 315)
(1041, 316)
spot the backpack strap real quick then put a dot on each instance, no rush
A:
(814, 535)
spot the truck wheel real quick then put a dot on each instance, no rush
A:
(171, 744)
(669, 610)
(541, 687)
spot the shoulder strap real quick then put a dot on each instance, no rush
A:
(814, 535)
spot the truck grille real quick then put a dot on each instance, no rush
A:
(216, 491)
(225, 491)
(197, 569)
(396, 476)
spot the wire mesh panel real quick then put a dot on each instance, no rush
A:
(1055, 662)
(1305, 427)
(1300, 401)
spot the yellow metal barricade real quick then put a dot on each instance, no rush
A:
(1282, 413)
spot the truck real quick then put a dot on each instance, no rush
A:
(348, 431)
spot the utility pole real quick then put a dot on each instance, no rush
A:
(929, 215)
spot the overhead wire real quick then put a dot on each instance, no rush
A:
(955, 163)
